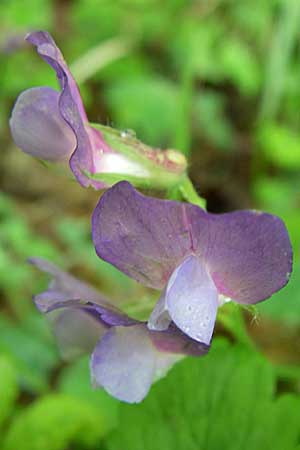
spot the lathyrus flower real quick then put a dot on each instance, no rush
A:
(126, 357)
(52, 125)
(195, 258)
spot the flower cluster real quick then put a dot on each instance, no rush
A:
(196, 260)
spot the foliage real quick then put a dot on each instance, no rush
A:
(53, 423)
(8, 389)
(219, 80)
(226, 401)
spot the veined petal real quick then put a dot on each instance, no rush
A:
(71, 108)
(38, 128)
(247, 254)
(144, 237)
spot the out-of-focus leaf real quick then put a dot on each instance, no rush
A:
(195, 42)
(55, 422)
(8, 388)
(280, 145)
(224, 400)
(210, 120)
(283, 44)
(240, 66)
(281, 196)
(26, 13)
(284, 306)
(75, 381)
(32, 356)
(76, 236)
(149, 106)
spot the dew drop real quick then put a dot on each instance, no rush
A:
(128, 133)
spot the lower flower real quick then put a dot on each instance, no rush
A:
(127, 357)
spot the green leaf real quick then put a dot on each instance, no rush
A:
(55, 422)
(135, 103)
(281, 146)
(284, 306)
(31, 351)
(75, 381)
(222, 401)
(8, 388)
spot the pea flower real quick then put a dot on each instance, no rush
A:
(195, 258)
(53, 126)
(127, 357)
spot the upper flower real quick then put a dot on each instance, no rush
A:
(194, 257)
(53, 125)
(126, 356)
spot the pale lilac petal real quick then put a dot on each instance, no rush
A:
(124, 363)
(247, 254)
(127, 360)
(76, 332)
(160, 318)
(89, 141)
(38, 128)
(192, 300)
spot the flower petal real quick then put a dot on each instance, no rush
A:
(124, 363)
(65, 291)
(174, 341)
(38, 128)
(67, 285)
(127, 360)
(89, 140)
(76, 331)
(144, 237)
(192, 300)
(247, 254)
(160, 318)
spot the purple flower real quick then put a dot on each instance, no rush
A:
(127, 357)
(53, 126)
(196, 258)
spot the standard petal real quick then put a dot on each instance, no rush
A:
(144, 237)
(76, 331)
(124, 363)
(192, 300)
(90, 142)
(38, 128)
(247, 254)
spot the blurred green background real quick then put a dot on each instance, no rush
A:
(220, 81)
